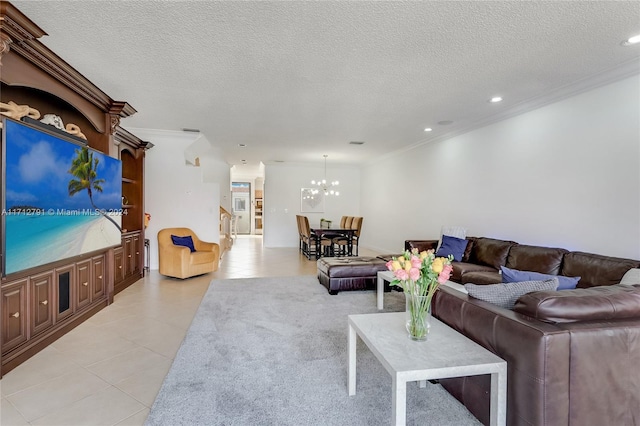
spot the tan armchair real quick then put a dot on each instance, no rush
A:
(179, 261)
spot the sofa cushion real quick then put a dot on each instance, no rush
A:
(632, 276)
(490, 252)
(513, 276)
(467, 252)
(461, 268)
(482, 277)
(595, 269)
(545, 260)
(452, 246)
(184, 241)
(584, 304)
(506, 295)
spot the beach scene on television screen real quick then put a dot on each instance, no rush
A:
(61, 199)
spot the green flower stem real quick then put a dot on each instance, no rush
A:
(418, 307)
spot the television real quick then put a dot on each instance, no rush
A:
(60, 198)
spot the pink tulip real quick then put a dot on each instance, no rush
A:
(389, 265)
(414, 274)
(416, 262)
(401, 274)
(444, 275)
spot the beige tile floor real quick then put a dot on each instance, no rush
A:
(108, 370)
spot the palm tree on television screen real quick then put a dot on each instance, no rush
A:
(84, 167)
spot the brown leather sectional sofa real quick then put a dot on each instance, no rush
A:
(572, 355)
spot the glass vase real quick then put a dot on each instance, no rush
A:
(418, 316)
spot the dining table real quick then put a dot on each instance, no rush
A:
(346, 233)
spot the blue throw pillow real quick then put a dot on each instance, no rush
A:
(452, 245)
(513, 276)
(184, 241)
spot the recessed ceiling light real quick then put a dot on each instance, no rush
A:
(356, 143)
(187, 129)
(242, 145)
(495, 99)
(631, 40)
(428, 129)
(445, 122)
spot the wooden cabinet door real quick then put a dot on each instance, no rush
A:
(14, 315)
(83, 280)
(129, 251)
(98, 277)
(135, 260)
(118, 265)
(64, 285)
(41, 298)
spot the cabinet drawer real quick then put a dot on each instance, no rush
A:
(14, 315)
(118, 265)
(41, 302)
(83, 279)
(98, 278)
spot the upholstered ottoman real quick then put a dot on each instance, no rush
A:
(349, 273)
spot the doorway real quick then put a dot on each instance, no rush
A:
(241, 206)
(247, 185)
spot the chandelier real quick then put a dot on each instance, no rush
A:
(326, 188)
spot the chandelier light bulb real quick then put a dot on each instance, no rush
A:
(322, 183)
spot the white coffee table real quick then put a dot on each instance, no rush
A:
(446, 353)
(382, 277)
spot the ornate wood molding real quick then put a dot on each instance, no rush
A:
(5, 45)
(21, 34)
(122, 136)
(115, 122)
(117, 111)
(15, 27)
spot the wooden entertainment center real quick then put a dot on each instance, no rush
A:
(41, 304)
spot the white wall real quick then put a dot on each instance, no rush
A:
(565, 175)
(175, 194)
(282, 186)
(216, 170)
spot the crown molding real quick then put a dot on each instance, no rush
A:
(625, 70)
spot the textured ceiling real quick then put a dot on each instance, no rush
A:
(296, 80)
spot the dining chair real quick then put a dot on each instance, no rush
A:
(342, 242)
(357, 225)
(309, 239)
(343, 222)
(300, 236)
